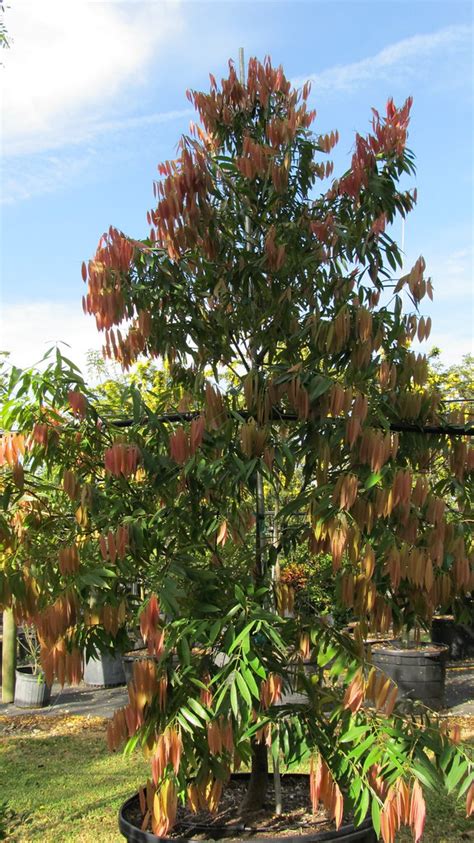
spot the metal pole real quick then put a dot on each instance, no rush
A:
(260, 561)
(241, 65)
(260, 566)
(8, 656)
(276, 580)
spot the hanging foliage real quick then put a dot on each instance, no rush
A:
(262, 286)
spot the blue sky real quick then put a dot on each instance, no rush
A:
(94, 98)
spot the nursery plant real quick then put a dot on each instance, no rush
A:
(274, 294)
(31, 690)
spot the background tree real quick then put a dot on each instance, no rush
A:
(4, 36)
(455, 382)
(248, 270)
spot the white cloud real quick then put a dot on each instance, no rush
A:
(453, 278)
(89, 131)
(28, 330)
(69, 61)
(400, 57)
(25, 178)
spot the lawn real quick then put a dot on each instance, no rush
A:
(64, 785)
(59, 783)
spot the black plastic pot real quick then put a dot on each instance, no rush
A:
(346, 834)
(457, 636)
(419, 671)
(105, 671)
(31, 691)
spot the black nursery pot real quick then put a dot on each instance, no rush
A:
(31, 691)
(346, 834)
(457, 636)
(419, 671)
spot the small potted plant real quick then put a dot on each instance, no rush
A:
(31, 689)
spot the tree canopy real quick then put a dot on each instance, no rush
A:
(268, 287)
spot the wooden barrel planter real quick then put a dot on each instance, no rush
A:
(106, 671)
(457, 636)
(418, 670)
(31, 691)
(129, 825)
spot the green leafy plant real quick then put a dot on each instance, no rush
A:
(30, 650)
(298, 393)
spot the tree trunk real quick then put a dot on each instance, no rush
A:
(257, 788)
(8, 656)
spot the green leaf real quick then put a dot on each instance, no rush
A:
(363, 806)
(198, 708)
(220, 697)
(184, 651)
(233, 701)
(375, 814)
(466, 784)
(244, 633)
(130, 745)
(243, 689)
(446, 756)
(354, 733)
(214, 632)
(318, 386)
(190, 717)
(362, 747)
(255, 727)
(374, 755)
(249, 679)
(239, 593)
(372, 480)
(277, 640)
(256, 666)
(92, 578)
(426, 771)
(183, 722)
(456, 773)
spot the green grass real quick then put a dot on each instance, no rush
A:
(65, 786)
(445, 822)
